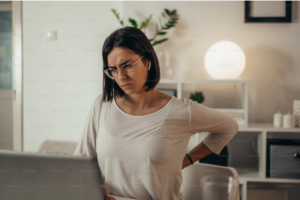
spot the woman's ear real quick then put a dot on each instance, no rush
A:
(149, 65)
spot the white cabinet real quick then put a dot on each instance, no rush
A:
(248, 155)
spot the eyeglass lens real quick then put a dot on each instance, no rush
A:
(127, 70)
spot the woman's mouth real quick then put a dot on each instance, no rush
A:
(126, 86)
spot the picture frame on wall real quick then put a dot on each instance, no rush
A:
(268, 11)
(171, 92)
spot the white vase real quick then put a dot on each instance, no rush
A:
(166, 72)
(164, 58)
(296, 112)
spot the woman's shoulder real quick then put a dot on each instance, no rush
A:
(98, 101)
(181, 102)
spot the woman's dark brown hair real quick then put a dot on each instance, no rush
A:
(134, 39)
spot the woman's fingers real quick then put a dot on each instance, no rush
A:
(106, 197)
(104, 193)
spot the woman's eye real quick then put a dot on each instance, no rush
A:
(127, 66)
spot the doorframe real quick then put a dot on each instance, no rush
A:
(17, 48)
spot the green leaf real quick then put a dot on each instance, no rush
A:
(171, 22)
(154, 43)
(163, 14)
(143, 25)
(133, 22)
(168, 26)
(160, 41)
(150, 40)
(173, 12)
(162, 33)
(167, 11)
(122, 23)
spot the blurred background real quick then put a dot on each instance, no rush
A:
(51, 67)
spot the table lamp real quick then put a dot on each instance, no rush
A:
(225, 60)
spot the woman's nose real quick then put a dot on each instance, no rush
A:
(121, 75)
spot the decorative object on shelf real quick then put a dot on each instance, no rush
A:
(288, 120)
(197, 96)
(253, 11)
(296, 112)
(168, 20)
(166, 71)
(225, 60)
(171, 92)
(277, 119)
(282, 159)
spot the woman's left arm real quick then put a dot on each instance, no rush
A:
(222, 129)
(197, 153)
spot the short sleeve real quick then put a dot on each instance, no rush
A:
(87, 143)
(222, 127)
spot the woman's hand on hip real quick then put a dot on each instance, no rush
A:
(106, 197)
(186, 162)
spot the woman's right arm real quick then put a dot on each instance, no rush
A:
(87, 143)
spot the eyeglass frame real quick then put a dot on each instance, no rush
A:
(123, 69)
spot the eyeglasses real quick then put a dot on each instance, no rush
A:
(127, 69)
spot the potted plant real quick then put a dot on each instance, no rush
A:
(197, 96)
(166, 21)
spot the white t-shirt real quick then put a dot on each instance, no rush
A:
(140, 157)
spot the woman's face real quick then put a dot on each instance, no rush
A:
(119, 55)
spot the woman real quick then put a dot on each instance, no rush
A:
(139, 134)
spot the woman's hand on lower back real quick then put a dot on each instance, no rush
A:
(106, 197)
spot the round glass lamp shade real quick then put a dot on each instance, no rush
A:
(225, 60)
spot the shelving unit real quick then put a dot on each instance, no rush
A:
(244, 101)
(253, 179)
(248, 151)
(265, 131)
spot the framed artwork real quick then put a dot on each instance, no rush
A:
(171, 92)
(268, 11)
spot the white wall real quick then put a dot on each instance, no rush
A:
(61, 78)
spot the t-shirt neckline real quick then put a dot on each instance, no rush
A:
(142, 115)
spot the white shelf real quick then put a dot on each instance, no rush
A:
(242, 121)
(249, 175)
(268, 127)
(268, 180)
(203, 81)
